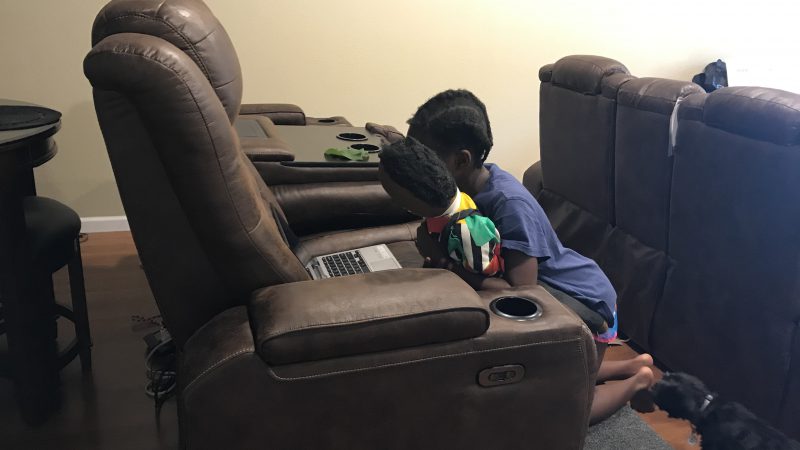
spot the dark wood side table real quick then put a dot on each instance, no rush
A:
(30, 327)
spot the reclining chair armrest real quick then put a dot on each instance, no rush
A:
(275, 174)
(593, 320)
(226, 386)
(260, 140)
(258, 152)
(358, 205)
(368, 313)
(532, 179)
(279, 113)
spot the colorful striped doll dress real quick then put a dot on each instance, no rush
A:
(468, 238)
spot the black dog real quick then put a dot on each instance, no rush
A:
(722, 425)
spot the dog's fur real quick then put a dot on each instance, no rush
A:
(722, 425)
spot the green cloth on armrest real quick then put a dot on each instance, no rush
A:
(348, 153)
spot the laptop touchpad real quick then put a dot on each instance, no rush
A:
(378, 258)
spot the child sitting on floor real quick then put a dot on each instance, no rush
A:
(419, 181)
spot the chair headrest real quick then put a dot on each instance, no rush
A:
(656, 95)
(758, 113)
(583, 73)
(188, 25)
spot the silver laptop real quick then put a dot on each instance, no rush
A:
(351, 262)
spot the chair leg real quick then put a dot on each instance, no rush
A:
(78, 292)
(38, 382)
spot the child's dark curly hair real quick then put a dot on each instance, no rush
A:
(416, 168)
(458, 120)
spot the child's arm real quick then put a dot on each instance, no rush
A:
(477, 281)
(429, 249)
(520, 269)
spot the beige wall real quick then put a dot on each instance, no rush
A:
(378, 60)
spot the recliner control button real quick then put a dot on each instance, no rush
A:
(501, 375)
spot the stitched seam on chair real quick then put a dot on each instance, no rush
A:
(206, 36)
(191, 46)
(787, 384)
(416, 361)
(426, 312)
(226, 83)
(214, 147)
(589, 62)
(412, 230)
(216, 365)
(589, 390)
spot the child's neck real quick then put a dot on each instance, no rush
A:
(474, 181)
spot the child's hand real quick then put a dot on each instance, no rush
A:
(439, 264)
(429, 248)
(387, 133)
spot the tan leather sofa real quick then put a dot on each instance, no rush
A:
(698, 232)
(409, 358)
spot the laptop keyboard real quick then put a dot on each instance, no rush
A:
(347, 263)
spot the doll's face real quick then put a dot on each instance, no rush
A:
(407, 200)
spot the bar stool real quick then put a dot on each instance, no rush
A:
(52, 230)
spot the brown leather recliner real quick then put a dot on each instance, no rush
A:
(192, 27)
(409, 358)
(703, 245)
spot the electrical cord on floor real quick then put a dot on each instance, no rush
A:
(139, 323)
(160, 366)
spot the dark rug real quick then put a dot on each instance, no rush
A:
(622, 431)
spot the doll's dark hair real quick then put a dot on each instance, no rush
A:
(416, 168)
(456, 119)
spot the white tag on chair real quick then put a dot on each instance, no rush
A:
(673, 127)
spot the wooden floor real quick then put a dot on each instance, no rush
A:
(108, 409)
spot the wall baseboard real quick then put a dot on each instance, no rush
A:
(104, 224)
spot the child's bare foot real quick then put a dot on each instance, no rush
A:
(622, 370)
(645, 378)
(642, 400)
(634, 365)
(609, 398)
(645, 359)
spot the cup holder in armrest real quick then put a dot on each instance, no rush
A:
(351, 137)
(327, 120)
(516, 308)
(368, 147)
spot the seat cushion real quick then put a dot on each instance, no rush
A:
(51, 229)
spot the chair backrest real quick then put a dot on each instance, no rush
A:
(167, 86)
(634, 254)
(643, 157)
(733, 296)
(577, 115)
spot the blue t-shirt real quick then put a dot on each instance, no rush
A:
(524, 227)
